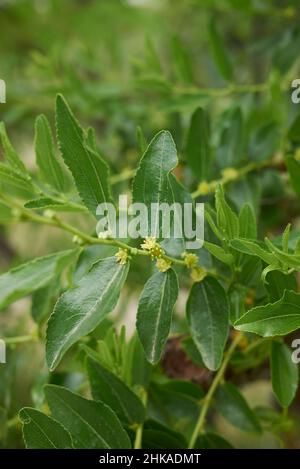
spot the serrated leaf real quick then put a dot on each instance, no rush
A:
(151, 182)
(92, 425)
(284, 374)
(82, 308)
(44, 203)
(208, 318)
(33, 275)
(154, 314)
(89, 170)
(279, 318)
(220, 53)
(49, 167)
(108, 388)
(43, 432)
(197, 148)
(11, 156)
(234, 408)
(226, 218)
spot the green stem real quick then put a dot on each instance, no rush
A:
(20, 339)
(140, 428)
(208, 398)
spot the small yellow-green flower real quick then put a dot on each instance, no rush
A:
(122, 256)
(198, 274)
(190, 259)
(204, 188)
(150, 244)
(229, 174)
(163, 265)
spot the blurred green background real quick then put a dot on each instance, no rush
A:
(149, 63)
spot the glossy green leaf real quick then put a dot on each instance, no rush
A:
(284, 373)
(108, 388)
(82, 308)
(279, 318)
(43, 432)
(234, 408)
(89, 171)
(49, 167)
(30, 277)
(208, 318)
(154, 314)
(92, 425)
(151, 182)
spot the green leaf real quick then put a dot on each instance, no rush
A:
(208, 318)
(79, 311)
(219, 253)
(277, 282)
(182, 61)
(226, 218)
(151, 182)
(15, 183)
(294, 130)
(44, 203)
(43, 299)
(293, 167)
(154, 314)
(50, 169)
(6, 214)
(108, 388)
(220, 53)
(255, 249)
(11, 155)
(247, 223)
(284, 374)
(279, 318)
(29, 277)
(158, 436)
(212, 441)
(229, 149)
(92, 425)
(234, 408)
(197, 147)
(43, 432)
(89, 171)
(177, 197)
